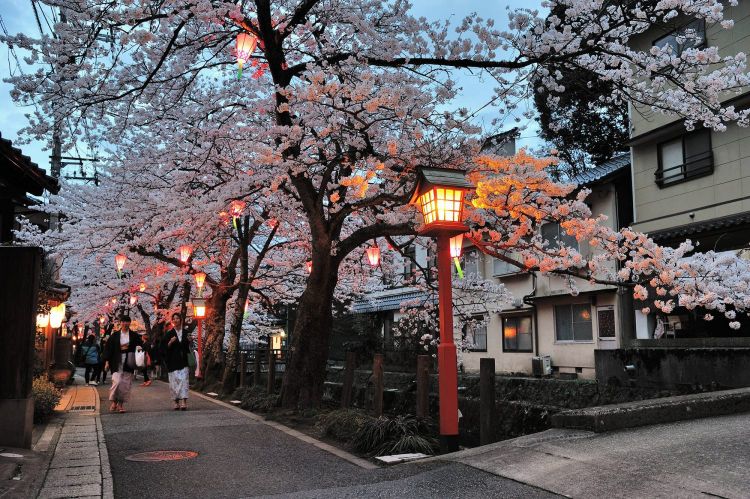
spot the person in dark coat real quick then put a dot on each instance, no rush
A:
(175, 349)
(91, 359)
(119, 359)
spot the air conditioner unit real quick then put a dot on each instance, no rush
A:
(541, 366)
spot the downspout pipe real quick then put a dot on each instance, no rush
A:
(528, 300)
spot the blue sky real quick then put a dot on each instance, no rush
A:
(17, 16)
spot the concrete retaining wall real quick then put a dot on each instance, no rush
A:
(687, 369)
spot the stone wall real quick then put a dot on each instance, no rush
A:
(681, 369)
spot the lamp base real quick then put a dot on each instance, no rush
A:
(448, 443)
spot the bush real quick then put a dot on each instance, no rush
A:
(342, 424)
(256, 399)
(395, 435)
(46, 397)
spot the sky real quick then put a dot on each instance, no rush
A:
(17, 16)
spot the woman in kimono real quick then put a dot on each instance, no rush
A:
(119, 359)
(175, 348)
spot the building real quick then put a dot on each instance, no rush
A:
(545, 319)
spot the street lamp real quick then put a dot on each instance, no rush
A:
(200, 280)
(439, 194)
(199, 312)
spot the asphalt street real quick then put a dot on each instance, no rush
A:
(242, 457)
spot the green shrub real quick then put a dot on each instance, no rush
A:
(46, 397)
(256, 399)
(342, 424)
(395, 435)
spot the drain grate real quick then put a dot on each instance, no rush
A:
(162, 455)
(83, 408)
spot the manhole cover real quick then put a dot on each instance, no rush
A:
(162, 455)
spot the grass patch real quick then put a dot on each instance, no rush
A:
(395, 435)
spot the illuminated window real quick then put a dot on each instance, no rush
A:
(573, 322)
(517, 334)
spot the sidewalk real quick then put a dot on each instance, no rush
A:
(79, 466)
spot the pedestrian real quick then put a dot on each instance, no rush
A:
(91, 359)
(147, 363)
(102, 348)
(119, 357)
(175, 348)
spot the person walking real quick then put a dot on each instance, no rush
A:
(91, 358)
(147, 365)
(119, 359)
(102, 373)
(175, 348)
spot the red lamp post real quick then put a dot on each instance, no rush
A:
(439, 194)
(199, 312)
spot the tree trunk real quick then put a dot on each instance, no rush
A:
(229, 380)
(215, 324)
(306, 371)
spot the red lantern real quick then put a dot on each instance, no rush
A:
(246, 44)
(133, 299)
(457, 245)
(200, 279)
(142, 287)
(120, 260)
(224, 217)
(373, 255)
(308, 264)
(185, 252)
(236, 208)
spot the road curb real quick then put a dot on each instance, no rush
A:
(351, 458)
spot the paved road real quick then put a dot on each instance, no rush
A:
(241, 457)
(699, 458)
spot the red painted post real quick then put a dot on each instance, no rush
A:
(448, 372)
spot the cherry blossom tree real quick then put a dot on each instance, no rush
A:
(346, 98)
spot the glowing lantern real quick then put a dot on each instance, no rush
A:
(133, 299)
(199, 308)
(246, 44)
(200, 280)
(56, 315)
(373, 255)
(142, 287)
(456, 247)
(42, 320)
(101, 320)
(273, 223)
(247, 306)
(236, 208)
(114, 300)
(185, 252)
(308, 264)
(120, 260)
(224, 217)
(439, 194)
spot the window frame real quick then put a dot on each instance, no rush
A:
(464, 332)
(705, 171)
(570, 308)
(555, 243)
(674, 32)
(502, 332)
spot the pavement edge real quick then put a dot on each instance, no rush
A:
(351, 458)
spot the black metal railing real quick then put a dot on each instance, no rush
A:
(695, 166)
(258, 358)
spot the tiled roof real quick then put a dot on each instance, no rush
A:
(603, 171)
(390, 301)
(21, 171)
(694, 228)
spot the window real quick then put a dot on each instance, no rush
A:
(557, 237)
(517, 334)
(605, 318)
(410, 267)
(692, 35)
(501, 267)
(573, 323)
(473, 262)
(475, 334)
(685, 157)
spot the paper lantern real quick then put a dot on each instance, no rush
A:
(246, 44)
(236, 208)
(373, 255)
(439, 194)
(456, 244)
(42, 320)
(200, 280)
(142, 287)
(120, 260)
(308, 265)
(185, 252)
(57, 315)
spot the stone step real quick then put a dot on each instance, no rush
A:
(655, 411)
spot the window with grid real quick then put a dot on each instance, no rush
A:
(573, 322)
(557, 237)
(685, 157)
(517, 334)
(475, 334)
